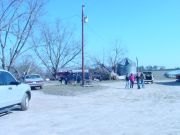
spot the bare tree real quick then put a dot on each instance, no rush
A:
(56, 47)
(116, 55)
(28, 65)
(17, 18)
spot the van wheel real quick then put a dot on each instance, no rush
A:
(25, 102)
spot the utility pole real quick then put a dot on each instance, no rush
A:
(137, 69)
(84, 20)
(83, 44)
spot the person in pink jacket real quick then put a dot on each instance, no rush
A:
(132, 79)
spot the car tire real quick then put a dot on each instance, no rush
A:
(25, 102)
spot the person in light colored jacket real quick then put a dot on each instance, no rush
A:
(142, 77)
(127, 81)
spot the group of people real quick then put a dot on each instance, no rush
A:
(130, 79)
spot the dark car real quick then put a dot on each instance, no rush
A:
(72, 77)
(178, 77)
(148, 77)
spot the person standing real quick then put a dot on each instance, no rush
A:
(138, 80)
(127, 81)
(142, 77)
(132, 79)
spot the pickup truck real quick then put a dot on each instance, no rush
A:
(148, 77)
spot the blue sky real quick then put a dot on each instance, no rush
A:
(148, 29)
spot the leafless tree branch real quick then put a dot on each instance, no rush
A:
(17, 18)
(59, 48)
(116, 55)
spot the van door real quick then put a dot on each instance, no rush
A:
(14, 91)
(4, 92)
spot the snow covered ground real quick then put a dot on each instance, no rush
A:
(154, 110)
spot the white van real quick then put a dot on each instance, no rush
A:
(13, 92)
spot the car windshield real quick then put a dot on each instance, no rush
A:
(147, 73)
(32, 76)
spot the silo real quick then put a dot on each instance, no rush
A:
(126, 66)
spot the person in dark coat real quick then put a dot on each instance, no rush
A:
(127, 81)
(138, 80)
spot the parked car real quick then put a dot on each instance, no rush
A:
(72, 76)
(34, 80)
(97, 77)
(13, 92)
(178, 77)
(148, 77)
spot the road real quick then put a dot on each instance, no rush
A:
(111, 111)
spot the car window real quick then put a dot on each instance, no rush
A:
(7, 78)
(32, 76)
(2, 79)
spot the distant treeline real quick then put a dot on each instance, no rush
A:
(156, 68)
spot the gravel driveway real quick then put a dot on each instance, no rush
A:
(112, 111)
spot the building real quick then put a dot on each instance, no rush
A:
(126, 66)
